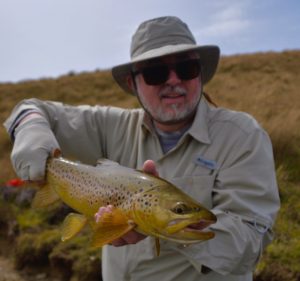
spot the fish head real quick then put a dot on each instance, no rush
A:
(168, 213)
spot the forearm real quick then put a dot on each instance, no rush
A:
(74, 127)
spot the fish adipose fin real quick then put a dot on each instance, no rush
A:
(110, 226)
(45, 197)
(72, 225)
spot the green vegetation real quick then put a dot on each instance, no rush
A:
(44, 249)
(266, 85)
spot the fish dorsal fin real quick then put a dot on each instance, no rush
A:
(109, 227)
(72, 225)
(106, 162)
(45, 197)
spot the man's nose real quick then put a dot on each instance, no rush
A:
(173, 79)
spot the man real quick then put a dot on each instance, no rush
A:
(222, 158)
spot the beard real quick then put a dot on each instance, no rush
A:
(173, 113)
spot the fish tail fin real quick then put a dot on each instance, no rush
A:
(45, 197)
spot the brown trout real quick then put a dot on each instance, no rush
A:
(149, 204)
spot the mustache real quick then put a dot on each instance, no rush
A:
(171, 90)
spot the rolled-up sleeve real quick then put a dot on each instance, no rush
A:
(83, 132)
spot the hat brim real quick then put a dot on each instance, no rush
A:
(209, 57)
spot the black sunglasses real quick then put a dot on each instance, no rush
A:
(157, 74)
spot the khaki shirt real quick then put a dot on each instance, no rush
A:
(224, 160)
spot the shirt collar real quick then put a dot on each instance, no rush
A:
(199, 128)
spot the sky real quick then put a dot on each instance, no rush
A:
(50, 38)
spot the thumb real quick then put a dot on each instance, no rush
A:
(149, 167)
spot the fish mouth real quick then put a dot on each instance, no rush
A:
(199, 226)
(184, 225)
(189, 232)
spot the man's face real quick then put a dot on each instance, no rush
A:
(173, 101)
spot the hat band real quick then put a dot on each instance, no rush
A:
(163, 51)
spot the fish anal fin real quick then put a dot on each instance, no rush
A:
(72, 225)
(45, 197)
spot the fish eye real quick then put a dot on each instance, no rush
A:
(180, 208)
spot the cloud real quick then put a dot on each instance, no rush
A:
(225, 21)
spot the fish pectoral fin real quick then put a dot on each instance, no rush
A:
(109, 233)
(112, 217)
(110, 226)
(72, 225)
(45, 197)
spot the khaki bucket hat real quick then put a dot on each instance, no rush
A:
(165, 36)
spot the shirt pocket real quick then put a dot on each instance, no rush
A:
(198, 187)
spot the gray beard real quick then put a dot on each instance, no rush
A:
(177, 114)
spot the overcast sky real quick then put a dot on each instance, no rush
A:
(49, 38)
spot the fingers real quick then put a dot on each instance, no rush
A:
(103, 210)
(150, 168)
(56, 152)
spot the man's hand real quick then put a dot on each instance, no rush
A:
(34, 142)
(133, 237)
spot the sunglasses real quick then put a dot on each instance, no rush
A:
(158, 74)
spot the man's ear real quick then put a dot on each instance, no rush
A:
(131, 83)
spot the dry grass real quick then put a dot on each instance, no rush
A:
(266, 86)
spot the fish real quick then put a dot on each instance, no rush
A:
(146, 203)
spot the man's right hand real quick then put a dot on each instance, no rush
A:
(34, 142)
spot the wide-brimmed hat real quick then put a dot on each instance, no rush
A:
(161, 37)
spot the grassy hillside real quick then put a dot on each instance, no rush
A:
(265, 85)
